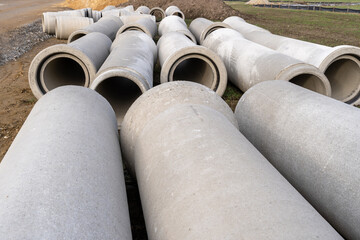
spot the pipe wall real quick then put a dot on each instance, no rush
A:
(158, 12)
(48, 19)
(144, 24)
(202, 27)
(314, 143)
(66, 25)
(174, 11)
(175, 24)
(143, 10)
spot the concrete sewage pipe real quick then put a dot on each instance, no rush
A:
(175, 24)
(313, 141)
(158, 12)
(182, 59)
(127, 72)
(48, 19)
(75, 63)
(66, 25)
(200, 178)
(107, 25)
(174, 11)
(249, 63)
(143, 23)
(143, 10)
(340, 64)
(96, 15)
(202, 27)
(63, 174)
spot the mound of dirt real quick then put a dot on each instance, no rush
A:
(211, 9)
(94, 4)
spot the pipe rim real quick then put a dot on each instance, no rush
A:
(160, 10)
(134, 27)
(219, 82)
(74, 36)
(212, 28)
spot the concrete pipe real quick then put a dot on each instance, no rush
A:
(143, 10)
(89, 12)
(112, 12)
(108, 25)
(62, 177)
(80, 59)
(202, 27)
(158, 12)
(66, 25)
(48, 19)
(109, 7)
(145, 24)
(314, 142)
(174, 11)
(129, 8)
(96, 15)
(200, 178)
(127, 72)
(175, 24)
(182, 59)
(340, 64)
(249, 63)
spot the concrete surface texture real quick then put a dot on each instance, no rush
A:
(249, 63)
(81, 59)
(143, 10)
(49, 19)
(127, 72)
(109, 7)
(340, 64)
(182, 59)
(66, 25)
(107, 25)
(175, 24)
(175, 11)
(62, 177)
(202, 27)
(96, 15)
(313, 141)
(191, 189)
(144, 23)
(158, 12)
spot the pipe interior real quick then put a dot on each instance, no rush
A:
(179, 14)
(158, 15)
(309, 81)
(196, 70)
(120, 92)
(77, 36)
(133, 28)
(213, 29)
(63, 71)
(344, 78)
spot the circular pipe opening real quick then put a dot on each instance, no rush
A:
(158, 14)
(309, 81)
(76, 37)
(120, 92)
(133, 28)
(212, 29)
(61, 70)
(195, 68)
(179, 14)
(344, 77)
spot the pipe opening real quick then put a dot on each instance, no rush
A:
(195, 69)
(213, 29)
(344, 78)
(133, 28)
(77, 36)
(179, 14)
(120, 92)
(61, 71)
(310, 82)
(158, 15)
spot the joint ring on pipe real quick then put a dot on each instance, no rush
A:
(212, 28)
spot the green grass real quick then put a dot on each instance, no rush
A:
(356, 7)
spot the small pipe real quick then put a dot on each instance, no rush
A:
(174, 11)
(66, 25)
(158, 12)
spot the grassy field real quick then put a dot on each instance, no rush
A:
(357, 7)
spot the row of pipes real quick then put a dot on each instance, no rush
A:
(284, 166)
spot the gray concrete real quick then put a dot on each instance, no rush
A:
(48, 19)
(96, 15)
(182, 59)
(143, 10)
(158, 12)
(340, 64)
(68, 64)
(174, 10)
(175, 24)
(109, 7)
(62, 177)
(112, 12)
(127, 72)
(249, 63)
(313, 141)
(145, 24)
(107, 25)
(199, 178)
(66, 25)
(202, 27)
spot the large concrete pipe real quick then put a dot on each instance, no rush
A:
(200, 178)
(107, 25)
(158, 12)
(112, 12)
(145, 24)
(66, 25)
(62, 177)
(68, 64)
(249, 63)
(175, 24)
(109, 7)
(174, 11)
(313, 141)
(127, 72)
(340, 64)
(96, 15)
(143, 10)
(182, 59)
(48, 19)
(202, 27)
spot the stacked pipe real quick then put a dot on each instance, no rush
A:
(340, 64)
(175, 24)
(144, 23)
(65, 25)
(158, 12)
(143, 10)
(202, 27)
(174, 10)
